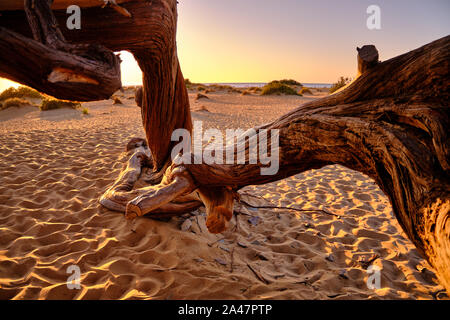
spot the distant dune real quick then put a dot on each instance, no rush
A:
(55, 165)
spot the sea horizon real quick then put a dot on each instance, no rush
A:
(262, 84)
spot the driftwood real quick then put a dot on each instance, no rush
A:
(390, 123)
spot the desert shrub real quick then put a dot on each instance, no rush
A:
(28, 92)
(234, 90)
(278, 88)
(201, 96)
(116, 100)
(85, 111)
(14, 102)
(342, 82)
(288, 82)
(188, 84)
(221, 87)
(254, 89)
(305, 90)
(20, 92)
(52, 103)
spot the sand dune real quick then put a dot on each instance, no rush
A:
(55, 165)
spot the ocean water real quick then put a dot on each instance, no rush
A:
(262, 84)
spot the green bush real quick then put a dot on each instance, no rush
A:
(14, 102)
(342, 82)
(20, 92)
(51, 103)
(278, 88)
(288, 82)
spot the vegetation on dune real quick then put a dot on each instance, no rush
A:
(342, 82)
(85, 111)
(285, 86)
(221, 87)
(254, 89)
(287, 82)
(14, 102)
(52, 103)
(190, 85)
(199, 87)
(278, 88)
(20, 92)
(15, 97)
(116, 100)
(305, 90)
(234, 90)
(201, 96)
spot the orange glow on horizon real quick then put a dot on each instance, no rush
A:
(311, 42)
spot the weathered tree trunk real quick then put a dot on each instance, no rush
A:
(51, 65)
(150, 34)
(391, 123)
(57, 4)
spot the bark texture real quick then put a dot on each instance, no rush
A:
(48, 63)
(149, 33)
(57, 4)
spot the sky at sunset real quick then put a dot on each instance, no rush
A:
(310, 41)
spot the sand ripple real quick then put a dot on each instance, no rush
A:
(54, 170)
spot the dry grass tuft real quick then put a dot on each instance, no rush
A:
(278, 88)
(15, 102)
(305, 90)
(20, 92)
(201, 96)
(116, 100)
(52, 103)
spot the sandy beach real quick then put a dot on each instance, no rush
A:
(55, 165)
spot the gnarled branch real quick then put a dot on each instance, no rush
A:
(390, 123)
